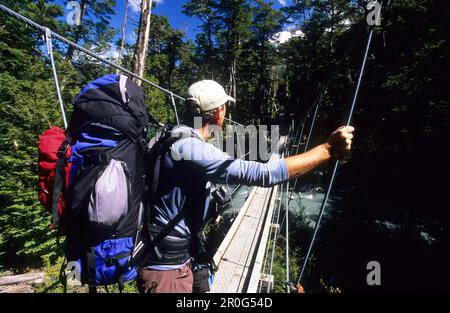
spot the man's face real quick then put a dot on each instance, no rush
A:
(220, 117)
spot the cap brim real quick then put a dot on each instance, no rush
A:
(231, 99)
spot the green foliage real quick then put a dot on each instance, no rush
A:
(25, 225)
(170, 58)
(94, 31)
(205, 53)
(158, 103)
(28, 107)
(234, 49)
(53, 284)
(279, 265)
(258, 77)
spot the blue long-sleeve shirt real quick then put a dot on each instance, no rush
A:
(192, 163)
(186, 174)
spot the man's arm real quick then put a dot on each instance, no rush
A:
(336, 146)
(216, 166)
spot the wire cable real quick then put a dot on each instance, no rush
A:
(48, 41)
(174, 107)
(336, 163)
(307, 143)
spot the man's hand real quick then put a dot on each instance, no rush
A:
(218, 220)
(340, 141)
(336, 146)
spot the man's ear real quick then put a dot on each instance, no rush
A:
(219, 112)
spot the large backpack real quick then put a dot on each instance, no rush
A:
(104, 189)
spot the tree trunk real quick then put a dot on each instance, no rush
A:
(232, 82)
(78, 31)
(122, 43)
(260, 93)
(233, 78)
(142, 43)
(209, 48)
(18, 279)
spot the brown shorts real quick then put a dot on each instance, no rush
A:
(172, 281)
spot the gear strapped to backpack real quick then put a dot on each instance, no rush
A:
(51, 163)
(98, 179)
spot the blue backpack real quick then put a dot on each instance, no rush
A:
(103, 219)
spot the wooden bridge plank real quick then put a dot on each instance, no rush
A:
(239, 256)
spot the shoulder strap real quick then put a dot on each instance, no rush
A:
(162, 146)
(59, 181)
(125, 96)
(123, 88)
(57, 189)
(153, 244)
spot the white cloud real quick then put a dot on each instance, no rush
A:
(345, 23)
(131, 37)
(112, 53)
(285, 36)
(135, 5)
(282, 2)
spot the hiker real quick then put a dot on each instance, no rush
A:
(186, 171)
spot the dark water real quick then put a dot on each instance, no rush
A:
(354, 231)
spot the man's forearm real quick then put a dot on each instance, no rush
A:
(302, 163)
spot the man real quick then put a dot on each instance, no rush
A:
(185, 175)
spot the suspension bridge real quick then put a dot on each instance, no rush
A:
(245, 257)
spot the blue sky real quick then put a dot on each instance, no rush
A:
(170, 8)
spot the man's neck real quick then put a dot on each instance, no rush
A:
(204, 131)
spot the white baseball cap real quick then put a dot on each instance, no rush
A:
(208, 95)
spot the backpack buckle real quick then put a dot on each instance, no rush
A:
(96, 159)
(61, 153)
(103, 158)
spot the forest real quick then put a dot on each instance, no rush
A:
(392, 206)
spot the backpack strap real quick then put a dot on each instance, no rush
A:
(91, 274)
(57, 189)
(98, 158)
(123, 88)
(59, 181)
(163, 146)
(126, 98)
(101, 157)
(203, 255)
(162, 233)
